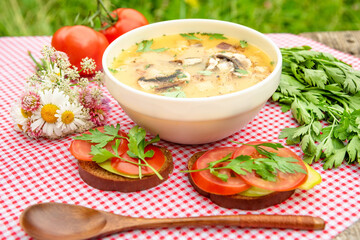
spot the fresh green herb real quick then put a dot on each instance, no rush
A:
(214, 35)
(322, 93)
(113, 70)
(145, 46)
(190, 36)
(242, 71)
(136, 145)
(147, 66)
(181, 75)
(205, 73)
(175, 92)
(101, 138)
(266, 167)
(243, 43)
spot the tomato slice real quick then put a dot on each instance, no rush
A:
(81, 149)
(212, 184)
(284, 181)
(157, 161)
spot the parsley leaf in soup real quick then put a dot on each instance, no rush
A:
(242, 71)
(175, 92)
(190, 36)
(181, 75)
(205, 73)
(243, 43)
(214, 35)
(145, 46)
(114, 70)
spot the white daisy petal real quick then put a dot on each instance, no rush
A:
(70, 117)
(51, 100)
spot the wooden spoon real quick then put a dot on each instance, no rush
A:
(66, 221)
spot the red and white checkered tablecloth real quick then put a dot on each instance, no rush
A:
(34, 171)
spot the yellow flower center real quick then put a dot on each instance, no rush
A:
(48, 112)
(67, 117)
(25, 114)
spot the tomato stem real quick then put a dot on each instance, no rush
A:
(111, 19)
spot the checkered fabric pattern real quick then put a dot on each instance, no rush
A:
(35, 171)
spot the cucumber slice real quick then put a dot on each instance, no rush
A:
(255, 192)
(313, 178)
(107, 166)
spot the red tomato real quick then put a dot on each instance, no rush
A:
(79, 42)
(157, 161)
(212, 184)
(128, 19)
(284, 181)
(81, 149)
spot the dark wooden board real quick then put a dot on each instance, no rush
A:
(344, 41)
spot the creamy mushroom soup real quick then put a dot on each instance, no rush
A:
(191, 65)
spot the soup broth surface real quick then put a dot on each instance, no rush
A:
(191, 65)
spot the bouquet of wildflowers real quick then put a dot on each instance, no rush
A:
(57, 101)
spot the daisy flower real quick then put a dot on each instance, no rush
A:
(57, 101)
(70, 117)
(44, 118)
(20, 117)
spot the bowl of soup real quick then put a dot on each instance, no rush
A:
(192, 81)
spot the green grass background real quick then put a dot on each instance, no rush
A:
(44, 17)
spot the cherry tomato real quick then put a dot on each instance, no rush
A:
(128, 19)
(81, 149)
(79, 42)
(284, 181)
(212, 184)
(157, 161)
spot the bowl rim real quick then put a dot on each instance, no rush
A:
(245, 91)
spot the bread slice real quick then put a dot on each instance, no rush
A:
(97, 177)
(237, 201)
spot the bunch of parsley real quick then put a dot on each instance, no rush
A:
(322, 93)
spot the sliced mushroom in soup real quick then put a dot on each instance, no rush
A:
(192, 65)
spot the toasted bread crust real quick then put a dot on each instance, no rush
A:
(95, 176)
(237, 201)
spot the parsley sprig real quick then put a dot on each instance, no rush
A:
(136, 145)
(101, 138)
(266, 167)
(322, 93)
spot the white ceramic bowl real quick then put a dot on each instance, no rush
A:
(192, 120)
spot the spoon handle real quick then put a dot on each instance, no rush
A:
(244, 221)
